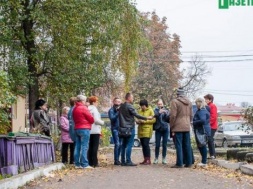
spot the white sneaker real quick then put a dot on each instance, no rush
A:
(201, 165)
(88, 167)
(155, 161)
(164, 161)
(212, 157)
(78, 167)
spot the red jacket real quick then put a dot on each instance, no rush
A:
(82, 117)
(213, 116)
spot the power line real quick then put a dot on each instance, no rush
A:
(241, 60)
(228, 93)
(230, 90)
(215, 51)
(215, 56)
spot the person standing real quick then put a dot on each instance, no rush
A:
(95, 132)
(72, 133)
(127, 113)
(40, 122)
(201, 123)
(145, 130)
(180, 124)
(114, 118)
(213, 123)
(162, 130)
(83, 121)
(65, 137)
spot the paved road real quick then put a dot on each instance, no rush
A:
(144, 177)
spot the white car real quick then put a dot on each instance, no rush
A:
(234, 133)
(137, 142)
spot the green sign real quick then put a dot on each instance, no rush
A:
(225, 4)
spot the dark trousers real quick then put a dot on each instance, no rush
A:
(93, 150)
(117, 144)
(211, 146)
(64, 152)
(145, 147)
(183, 148)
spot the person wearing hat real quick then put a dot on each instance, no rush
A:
(180, 124)
(40, 122)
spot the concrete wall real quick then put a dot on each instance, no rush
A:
(19, 115)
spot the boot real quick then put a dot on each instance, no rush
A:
(148, 162)
(144, 161)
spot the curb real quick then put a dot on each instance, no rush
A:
(21, 179)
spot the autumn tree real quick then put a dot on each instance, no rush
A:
(158, 70)
(56, 49)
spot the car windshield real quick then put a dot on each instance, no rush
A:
(237, 126)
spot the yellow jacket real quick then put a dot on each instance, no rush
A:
(145, 129)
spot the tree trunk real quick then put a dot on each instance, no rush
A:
(29, 44)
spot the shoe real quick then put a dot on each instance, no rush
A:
(78, 167)
(201, 165)
(212, 157)
(148, 162)
(188, 166)
(88, 167)
(144, 161)
(164, 161)
(131, 164)
(155, 161)
(176, 166)
(123, 164)
(117, 163)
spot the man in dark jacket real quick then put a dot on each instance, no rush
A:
(126, 120)
(114, 118)
(180, 125)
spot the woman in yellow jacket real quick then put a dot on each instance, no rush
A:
(145, 130)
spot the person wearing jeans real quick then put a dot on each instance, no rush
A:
(183, 149)
(114, 118)
(162, 130)
(81, 148)
(127, 113)
(82, 121)
(126, 148)
(180, 124)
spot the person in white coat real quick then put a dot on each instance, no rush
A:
(95, 132)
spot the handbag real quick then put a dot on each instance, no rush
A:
(125, 132)
(201, 138)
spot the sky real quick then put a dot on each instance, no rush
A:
(224, 35)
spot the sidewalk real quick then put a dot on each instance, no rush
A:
(21, 179)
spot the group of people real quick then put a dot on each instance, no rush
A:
(81, 129)
(176, 123)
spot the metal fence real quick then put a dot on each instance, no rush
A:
(20, 152)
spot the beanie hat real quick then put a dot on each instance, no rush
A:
(180, 92)
(39, 103)
(81, 98)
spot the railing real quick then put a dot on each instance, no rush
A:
(20, 152)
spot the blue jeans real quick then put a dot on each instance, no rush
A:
(81, 147)
(117, 144)
(158, 136)
(183, 148)
(203, 152)
(126, 149)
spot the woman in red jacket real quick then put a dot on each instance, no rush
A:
(213, 123)
(83, 121)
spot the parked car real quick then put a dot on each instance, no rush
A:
(234, 133)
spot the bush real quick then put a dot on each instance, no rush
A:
(105, 138)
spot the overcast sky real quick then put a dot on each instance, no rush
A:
(209, 31)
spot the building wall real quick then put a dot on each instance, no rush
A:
(19, 115)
